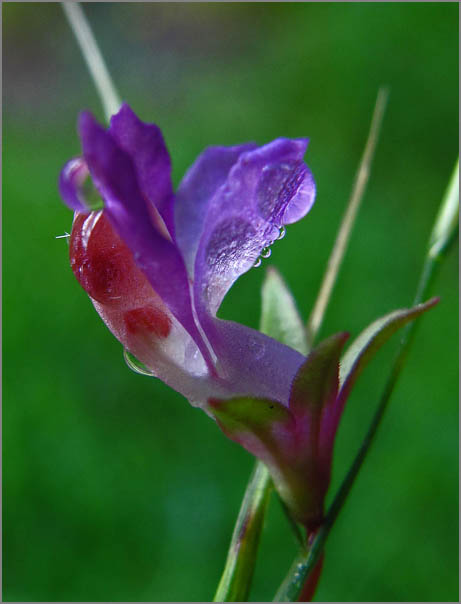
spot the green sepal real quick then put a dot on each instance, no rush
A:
(280, 318)
(258, 424)
(266, 429)
(372, 338)
(316, 382)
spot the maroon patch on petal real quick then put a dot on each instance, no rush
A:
(148, 318)
(101, 262)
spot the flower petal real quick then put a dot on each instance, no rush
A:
(134, 313)
(114, 176)
(255, 364)
(145, 145)
(195, 192)
(265, 189)
(71, 179)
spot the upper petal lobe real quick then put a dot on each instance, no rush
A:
(145, 145)
(266, 188)
(195, 192)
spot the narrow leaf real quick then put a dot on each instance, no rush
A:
(280, 318)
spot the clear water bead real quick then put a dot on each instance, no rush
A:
(136, 365)
(282, 233)
(257, 263)
(266, 252)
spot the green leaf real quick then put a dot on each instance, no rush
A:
(372, 338)
(280, 318)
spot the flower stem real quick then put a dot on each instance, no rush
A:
(236, 579)
(443, 234)
(93, 57)
(344, 233)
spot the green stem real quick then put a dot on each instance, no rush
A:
(344, 233)
(236, 579)
(93, 57)
(443, 234)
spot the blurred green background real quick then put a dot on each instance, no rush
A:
(115, 489)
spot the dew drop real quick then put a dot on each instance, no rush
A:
(256, 347)
(282, 233)
(266, 252)
(136, 365)
(257, 263)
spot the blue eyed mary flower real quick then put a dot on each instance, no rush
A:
(157, 265)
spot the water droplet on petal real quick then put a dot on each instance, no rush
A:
(282, 233)
(266, 252)
(257, 263)
(136, 365)
(257, 348)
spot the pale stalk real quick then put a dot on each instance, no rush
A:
(235, 581)
(342, 238)
(443, 234)
(93, 57)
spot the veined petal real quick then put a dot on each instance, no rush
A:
(254, 363)
(145, 145)
(195, 192)
(265, 189)
(114, 176)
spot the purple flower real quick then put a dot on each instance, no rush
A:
(157, 264)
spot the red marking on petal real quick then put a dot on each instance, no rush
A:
(101, 262)
(148, 318)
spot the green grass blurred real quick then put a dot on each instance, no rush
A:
(115, 489)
